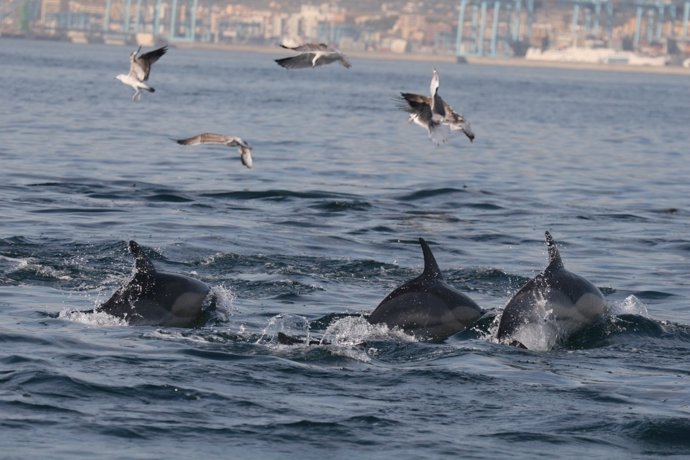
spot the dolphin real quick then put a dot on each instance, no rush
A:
(554, 296)
(153, 298)
(427, 306)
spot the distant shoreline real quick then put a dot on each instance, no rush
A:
(448, 58)
(445, 58)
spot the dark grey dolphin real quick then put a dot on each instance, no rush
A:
(555, 295)
(427, 306)
(153, 298)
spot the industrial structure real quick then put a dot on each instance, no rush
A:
(510, 22)
(494, 28)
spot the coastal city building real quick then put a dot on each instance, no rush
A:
(642, 32)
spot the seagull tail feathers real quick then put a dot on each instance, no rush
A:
(438, 132)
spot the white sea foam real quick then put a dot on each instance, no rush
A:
(93, 318)
(355, 330)
(540, 335)
(631, 305)
(292, 325)
(11, 264)
(344, 337)
(30, 264)
(210, 260)
(224, 303)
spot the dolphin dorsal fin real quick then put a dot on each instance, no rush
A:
(431, 269)
(555, 261)
(143, 265)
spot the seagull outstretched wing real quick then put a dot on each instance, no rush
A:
(231, 141)
(141, 65)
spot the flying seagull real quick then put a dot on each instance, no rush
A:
(139, 70)
(312, 55)
(231, 141)
(434, 114)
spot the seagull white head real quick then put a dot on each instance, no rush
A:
(134, 53)
(246, 155)
(435, 82)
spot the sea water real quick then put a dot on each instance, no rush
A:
(312, 238)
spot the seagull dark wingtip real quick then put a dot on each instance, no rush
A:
(282, 62)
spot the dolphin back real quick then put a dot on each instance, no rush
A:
(427, 306)
(157, 298)
(570, 301)
(521, 309)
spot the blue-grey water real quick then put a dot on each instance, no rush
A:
(327, 223)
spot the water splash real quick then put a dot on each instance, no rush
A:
(223, 305)
(10, 264)
(631, 305)
(291, 325)
(212, 259)
(356, 330)
(348, 337)
(29, 267)
(92, 318)
(541, 333)
(540, 336)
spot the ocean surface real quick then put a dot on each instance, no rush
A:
(314, 236)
